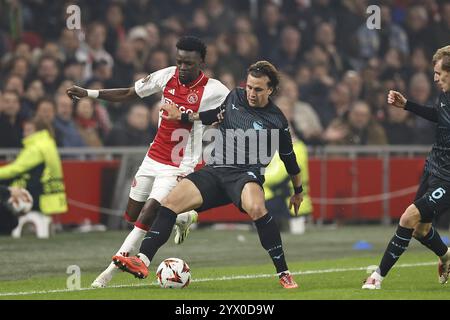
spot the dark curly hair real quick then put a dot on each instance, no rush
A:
(191, 43)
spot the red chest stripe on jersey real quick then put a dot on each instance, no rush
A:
(187, 99)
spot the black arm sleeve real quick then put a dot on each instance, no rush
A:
(4, 193)
(422, 111)
(287, 154)
(210, 116)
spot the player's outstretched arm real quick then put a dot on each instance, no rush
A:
(114, 95)
(396, 99)
(172, 113)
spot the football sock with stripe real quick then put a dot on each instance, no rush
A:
(433, 241)
(159, 232)
(270, 238)
(398, 244)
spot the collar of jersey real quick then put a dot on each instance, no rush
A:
(193, 83)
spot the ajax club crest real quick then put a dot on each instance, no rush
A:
(192, 98)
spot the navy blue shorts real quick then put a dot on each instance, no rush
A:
(222, 185)
(432, 198)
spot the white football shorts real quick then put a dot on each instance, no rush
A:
(155, 180)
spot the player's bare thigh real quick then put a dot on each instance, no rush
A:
(184, 197)
(252, 200)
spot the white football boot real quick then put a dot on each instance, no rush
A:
(183, 225)
(373, 282)
(444, 268)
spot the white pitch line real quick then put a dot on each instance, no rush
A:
(224, 278)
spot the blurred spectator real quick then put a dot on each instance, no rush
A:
(220, 17)
(354, 82)
(34, 92)
(10, 120)
(20, 67)
(269, 29)
(305, 121)
(350, 15)
(357, 127)
(93, 49)
(338, 104)
(227, 79)
(375, 42)
(102, 115)
(417, 27)
(14, 83)
(246, 49)
(399, 127)
(52, 49)
(325, 38)
(419, 61)
(122, 73)
(420, 92)
(45, 112)
(102, 71)
(139, 38)
(157, 60)
(287, 56)
(212, 59)
(69, 43)
(73, 70)
(48, 72)
(135, 130)
(200, 25)
(87, 124)
(442, 28)
(115, 27)
(64, 123)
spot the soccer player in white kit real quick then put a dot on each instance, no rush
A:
(186, 86)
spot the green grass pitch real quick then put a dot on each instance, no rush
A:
(225, 265)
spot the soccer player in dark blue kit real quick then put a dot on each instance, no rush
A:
(221, 181)
(433, 195)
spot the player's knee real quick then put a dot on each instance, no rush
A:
(421, 231)
(410, 218)
(419, 234)
(256, 211)
(170, 203)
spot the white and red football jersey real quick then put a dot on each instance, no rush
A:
(201, 95)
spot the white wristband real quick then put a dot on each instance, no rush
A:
(92, 93)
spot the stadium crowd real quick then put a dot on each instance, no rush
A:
(337, 71)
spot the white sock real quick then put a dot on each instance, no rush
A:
(375, 275)
(131, 242)
(446, 256)
(283, 272)
(133, 239)
(144, 259)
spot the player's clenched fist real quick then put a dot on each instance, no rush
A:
(396, 99)
(76, 92)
